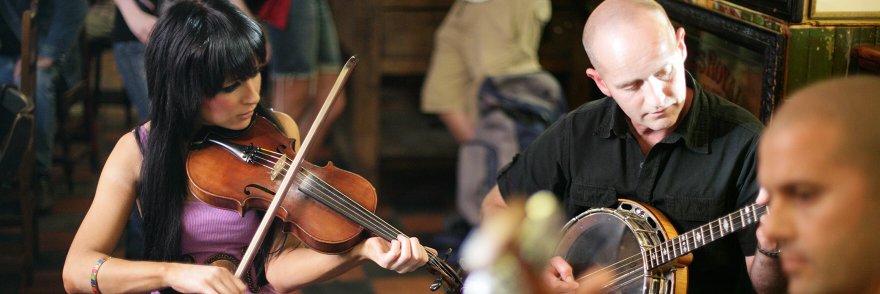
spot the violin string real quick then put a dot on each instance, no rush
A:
(389, 231)
(303, 180)
(349, 210)
(345, 203)
(365, 214)
(380, 227)
(354, 209)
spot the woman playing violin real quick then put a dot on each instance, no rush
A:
(202, 64)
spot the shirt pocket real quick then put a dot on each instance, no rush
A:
(585, 196)
(691, 208)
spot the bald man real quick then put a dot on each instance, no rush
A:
(820, 163)
(659, 139)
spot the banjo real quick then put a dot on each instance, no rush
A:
(639, 247)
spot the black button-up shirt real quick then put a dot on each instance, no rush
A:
(701, 171)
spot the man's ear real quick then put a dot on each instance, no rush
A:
(679, 39)
(593, 74)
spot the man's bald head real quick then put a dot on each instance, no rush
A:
(851, 106)
(619, 20)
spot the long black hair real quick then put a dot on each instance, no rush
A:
(195, 46)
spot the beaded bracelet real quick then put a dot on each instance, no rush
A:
(94, 275)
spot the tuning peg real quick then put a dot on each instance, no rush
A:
(436, 284)
(446, 255)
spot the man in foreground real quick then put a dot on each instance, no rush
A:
(820, 163)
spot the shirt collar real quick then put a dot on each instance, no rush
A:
(694, 130)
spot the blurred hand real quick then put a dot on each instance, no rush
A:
(402, 255)
(595, 283)
(764, 240)
(558, 276)
(190, 278)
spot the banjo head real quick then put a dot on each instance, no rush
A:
(612, 239)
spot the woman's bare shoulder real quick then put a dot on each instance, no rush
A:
(126, 157)
(288, 124)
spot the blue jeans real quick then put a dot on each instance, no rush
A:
(130, 64)
(44, 111)
(308, 45)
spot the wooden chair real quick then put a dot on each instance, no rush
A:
(97, 47)
(16, 163)
(16, 142)
(84, 128)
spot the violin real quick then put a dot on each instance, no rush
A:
(331, 210)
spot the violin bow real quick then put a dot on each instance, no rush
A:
(258, 238)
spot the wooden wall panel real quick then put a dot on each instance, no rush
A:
(820, 52)
(408, 39)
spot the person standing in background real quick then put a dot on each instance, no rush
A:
(59, 23)
(131, 29)
(478, 39)
(304, 63)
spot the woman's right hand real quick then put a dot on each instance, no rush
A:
(190, 278)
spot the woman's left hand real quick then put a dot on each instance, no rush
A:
(402, 255)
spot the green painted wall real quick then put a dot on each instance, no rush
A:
(819, 52)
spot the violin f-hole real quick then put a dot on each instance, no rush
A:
(280, 148)
(247, 190)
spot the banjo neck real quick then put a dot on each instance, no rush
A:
(685, 243)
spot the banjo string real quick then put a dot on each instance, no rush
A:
(628, 262)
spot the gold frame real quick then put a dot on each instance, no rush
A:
(850, 15)
(769, 44)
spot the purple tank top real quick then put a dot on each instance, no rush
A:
(211, 233)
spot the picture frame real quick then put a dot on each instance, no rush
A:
(789, 10)
(740, 61)
(845, 9)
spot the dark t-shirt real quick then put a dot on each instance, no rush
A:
(703, 170)
(9, 43)
(121, 32)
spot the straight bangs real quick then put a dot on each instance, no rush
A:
(194, 50)
(236, 52)
(195, 47)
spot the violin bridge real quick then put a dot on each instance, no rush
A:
(279, 167)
